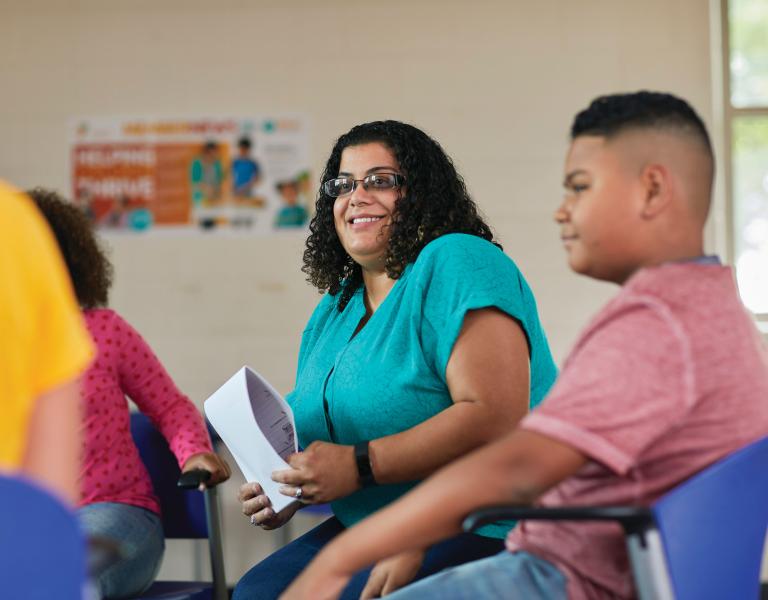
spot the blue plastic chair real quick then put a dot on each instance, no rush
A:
(43, 549)
(186, 514)
(702, 540)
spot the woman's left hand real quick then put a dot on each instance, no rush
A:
(324, 472)
(211, 462)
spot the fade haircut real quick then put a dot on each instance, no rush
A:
(608, 116)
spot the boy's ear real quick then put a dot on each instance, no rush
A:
(657, 183)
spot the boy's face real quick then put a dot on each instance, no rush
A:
(598, 217)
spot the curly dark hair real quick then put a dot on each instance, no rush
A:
(89, 268)
(436, 202)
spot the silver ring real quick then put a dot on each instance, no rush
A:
(297, 494)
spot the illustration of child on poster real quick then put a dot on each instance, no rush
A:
(292, 212)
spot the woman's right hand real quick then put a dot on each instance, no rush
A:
(259, 509)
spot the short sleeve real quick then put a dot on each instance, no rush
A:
(624, 385)
(459, 273)
(60, 347)
(45, 342)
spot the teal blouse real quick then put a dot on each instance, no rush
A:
(391, 375)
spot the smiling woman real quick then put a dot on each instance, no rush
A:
(363, 213)
(432, 201)
(426, 345)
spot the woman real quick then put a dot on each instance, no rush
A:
(426, 346)
(117, 499)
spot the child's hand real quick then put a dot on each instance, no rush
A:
(321, 580)
(393, 573)
(213, 463)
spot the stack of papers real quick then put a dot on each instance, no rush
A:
(257, 426)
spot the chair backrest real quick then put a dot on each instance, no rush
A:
(713, 527)
(183, 511)
(42, 549)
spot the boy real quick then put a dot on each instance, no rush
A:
(246, 172)
(669, 377)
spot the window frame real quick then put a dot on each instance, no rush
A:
(729, 114)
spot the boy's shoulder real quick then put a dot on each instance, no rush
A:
(694, 305)
(691, 291)
(681, 287)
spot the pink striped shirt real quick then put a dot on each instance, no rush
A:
(669, 377)
(125, 365)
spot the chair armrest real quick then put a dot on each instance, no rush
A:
(631, 518)
(215, 546)
(191, 480)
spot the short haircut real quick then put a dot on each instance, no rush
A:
(244, 142)
(608, 116)
(286, 183)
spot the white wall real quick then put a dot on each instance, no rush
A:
(496, 82)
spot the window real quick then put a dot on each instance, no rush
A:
(746, 121)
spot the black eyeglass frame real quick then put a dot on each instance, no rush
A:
(399, 180)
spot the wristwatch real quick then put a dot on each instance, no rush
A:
(363, 460)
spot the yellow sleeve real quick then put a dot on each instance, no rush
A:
(44, 343)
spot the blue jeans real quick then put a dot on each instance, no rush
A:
(268, 579)
(513, 576)
(139, 534)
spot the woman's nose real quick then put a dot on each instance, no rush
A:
(359, 195)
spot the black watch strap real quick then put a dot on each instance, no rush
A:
(363, 460)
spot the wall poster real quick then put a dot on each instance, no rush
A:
(192, 174)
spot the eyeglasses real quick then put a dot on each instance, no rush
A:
(343, 186)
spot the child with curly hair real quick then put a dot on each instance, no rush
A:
(117, 498)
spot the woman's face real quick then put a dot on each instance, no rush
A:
(363, 218)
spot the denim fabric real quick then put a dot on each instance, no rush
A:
(139, 533)
(270, 577)
(512, 576)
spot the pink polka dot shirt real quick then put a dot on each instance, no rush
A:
(125, 365)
